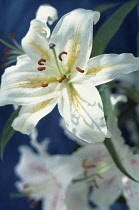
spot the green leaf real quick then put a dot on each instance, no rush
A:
(108, 142)
(110, 27)
(109, 145)
(8, 132)
(104, 7)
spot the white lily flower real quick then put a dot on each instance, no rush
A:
(46, 178)
(60, 71)
(109, 183)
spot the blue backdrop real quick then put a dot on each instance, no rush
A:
(15, 16)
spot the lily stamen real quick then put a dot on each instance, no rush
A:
(41, 68)
(86, 166)
(44, 85)
(94, 182)
(11, 36)
(33, 204)
(60, 55)
(62, 78)
(41, 61)
(99, 176)
(80, 70)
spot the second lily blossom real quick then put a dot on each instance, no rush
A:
(60, 71)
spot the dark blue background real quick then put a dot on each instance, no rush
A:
(15, 16)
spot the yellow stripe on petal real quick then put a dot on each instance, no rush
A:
(35, 109)
(39, 49)
(94, 70)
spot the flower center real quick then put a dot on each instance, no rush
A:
(59, 70)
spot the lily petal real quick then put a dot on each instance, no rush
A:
(109, 188)
(76, 39)
(30, 115)
(81, 107)
(104, 68)
(21, 84)
(35, 45)
(77, 196)
(47, 13)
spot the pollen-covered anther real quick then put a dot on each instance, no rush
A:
(4, 59)
(41, 61)
(93, 181)
(33, 204)
(6, 52)
(41, 68)
(11, 36)
(62, 78)
(44, 85)
(60, 55)
(87, 166)
(99, 176)
(80, 70)
(2, 66)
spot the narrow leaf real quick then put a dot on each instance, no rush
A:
(108, 142)
(104, 7)
(109, 145)
(110, 27)
(8, 132)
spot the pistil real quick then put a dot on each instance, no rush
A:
(52, 47)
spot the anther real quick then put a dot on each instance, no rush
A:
(25, 186)
(62, 78)
(33, 204)
(11, 36)
(99, 176)
(80, 70)
(41, 68)
(51, 45)
(6, 51)
(86, 166)
(60, 55)
(41, 61)
(4, 59)
(2, 66)
(94, 182)
(44, 85)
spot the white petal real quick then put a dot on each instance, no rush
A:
(104, 68)
(41, 28)
(69, 134)
(30, 115)
(81, 107)
(109, 188)
(77, 196)
(54, 200)
(73, 34)
(32, 172)
(35, 45)
(47, 13)
(131, 193)
(21, 84)
(66, 168)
